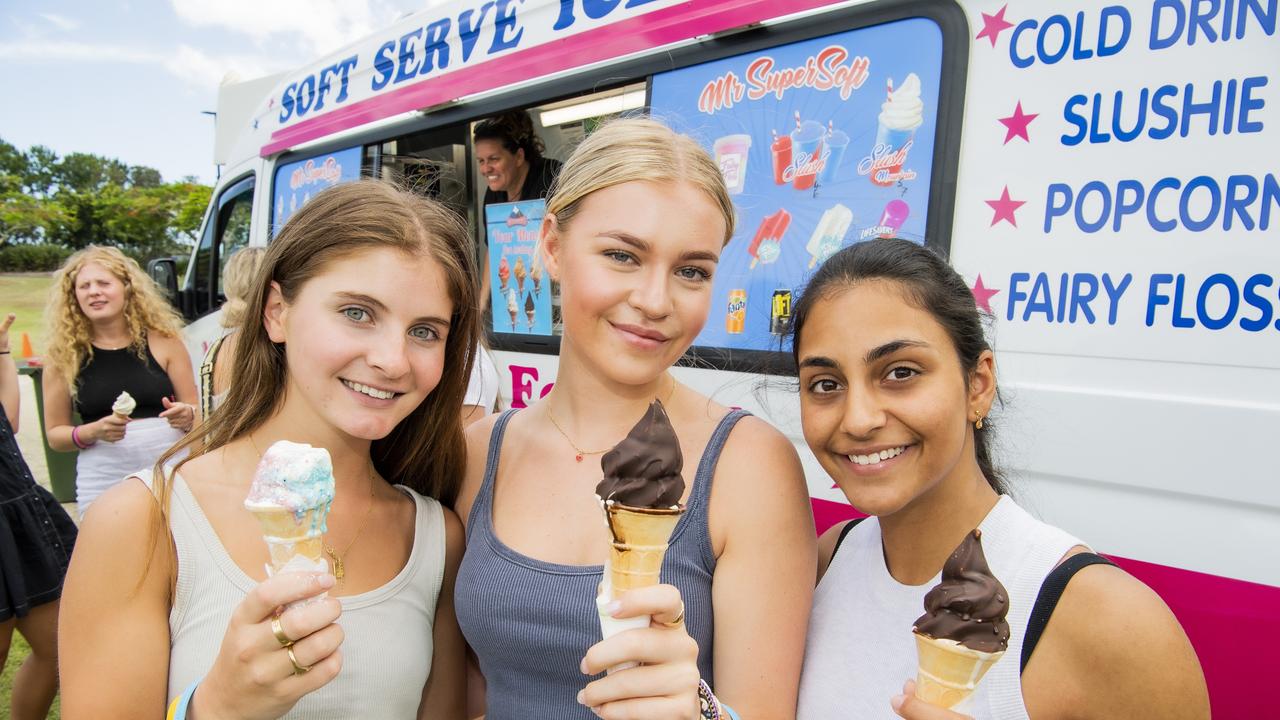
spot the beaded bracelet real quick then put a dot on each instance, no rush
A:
(178, 708)
(710, 707)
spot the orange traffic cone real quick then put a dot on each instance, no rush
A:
(26, 347)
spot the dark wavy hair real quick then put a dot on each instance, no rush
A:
(514, 129)
(931, 285)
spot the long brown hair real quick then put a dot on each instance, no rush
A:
(427, 450)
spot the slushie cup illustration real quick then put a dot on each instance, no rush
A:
(731, 155)
(836, 142)
(781, 151)
(806, 153)
(891, 220)
(900, 114)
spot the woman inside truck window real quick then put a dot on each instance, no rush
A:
(117, 359)
(238, 281)
(897, 384)
(509, 154)
(364, 315)
(633, 234)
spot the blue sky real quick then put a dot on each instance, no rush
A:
(129, 79)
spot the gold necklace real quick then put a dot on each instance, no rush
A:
(339, 570)
(580, 453)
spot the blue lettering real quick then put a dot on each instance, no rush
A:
(1270, 196)
(596, 9)
(344, 69)
(1126, 135)
(1233, 301)
(1018, 60)
(1081, 298)
(309, 87)
(1045, 56)
(1215, 196)
(1156, 223)
(1127, 208)
(1156, 298)
(1099, 187)
(504, 23)
(1062, 297)
(1237, 205)
(1113, 294)
(1266, 18)
(324, 85)
(1016, 295)
(1071, 116)
(407, 67)
(437, 45)
(383, 65)
(1179, 285)
(1157, 42)
(1191, 108)
(565, 19)
(1161, 108)
(1040, 301)
(1052, 208)
(1078, 50)
(1251, 297)
(1126, 24)
(286, 102)
(1248, 103)
(1096, 136)
(1201, 21)
(469, 33)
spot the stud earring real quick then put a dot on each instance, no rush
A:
(977, 425)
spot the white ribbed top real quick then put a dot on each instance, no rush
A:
(860, 648)
(386, 655)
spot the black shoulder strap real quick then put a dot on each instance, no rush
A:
(844, 532)
(1047, 599)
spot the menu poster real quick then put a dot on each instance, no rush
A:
(520, 296)
(822, 143)
(297, 182)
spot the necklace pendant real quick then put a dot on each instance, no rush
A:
(337, 561)
(578, 457)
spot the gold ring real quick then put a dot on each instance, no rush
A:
(278, 630)
(297, 669)
(678, 621)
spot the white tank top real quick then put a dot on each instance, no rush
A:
(386, 655)
(860, 648)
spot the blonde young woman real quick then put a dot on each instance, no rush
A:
(364, 319)
(633, 234)
(110, 332)
(237, 281)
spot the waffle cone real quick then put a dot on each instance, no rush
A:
(290, 535)
(640, 539)
(948, 672)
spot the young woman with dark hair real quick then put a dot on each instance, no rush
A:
(897, 384)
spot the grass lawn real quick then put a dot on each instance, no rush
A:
(25, 295)
(17, 653)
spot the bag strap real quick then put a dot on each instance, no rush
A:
(206, 378)
(1050, 592)
(844, 532)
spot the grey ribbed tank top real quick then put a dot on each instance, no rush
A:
(530, 622)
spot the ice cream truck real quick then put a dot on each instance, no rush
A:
(1106, 175)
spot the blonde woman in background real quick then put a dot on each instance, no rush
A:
(110, 332)
(238, 279)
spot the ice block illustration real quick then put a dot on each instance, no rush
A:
(519, 272)
(504, 273)
(894, 215)
(828, 236)
(290, 496)
(963, 631)
(529, 310)
(640, 494)
(766, 246)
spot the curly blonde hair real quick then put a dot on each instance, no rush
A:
(70, 335)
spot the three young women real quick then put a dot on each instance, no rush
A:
(111, 331)
(633, 234)
(357, 339)
(897, 385)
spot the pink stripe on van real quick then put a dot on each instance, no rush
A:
(660, 27)
(1234, 625)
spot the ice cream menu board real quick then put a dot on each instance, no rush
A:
(822, 143)
(520, 296)
(297, 182)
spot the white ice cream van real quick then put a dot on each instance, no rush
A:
(1106, 175)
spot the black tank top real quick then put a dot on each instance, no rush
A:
(109, 372)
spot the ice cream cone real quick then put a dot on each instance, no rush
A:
(948, 672)
(290, 535)
(640, 539)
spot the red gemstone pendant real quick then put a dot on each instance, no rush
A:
(578, 457)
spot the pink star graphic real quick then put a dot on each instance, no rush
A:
(1005, 208)
(1016, 124)
(993, 25)
(982, 295)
